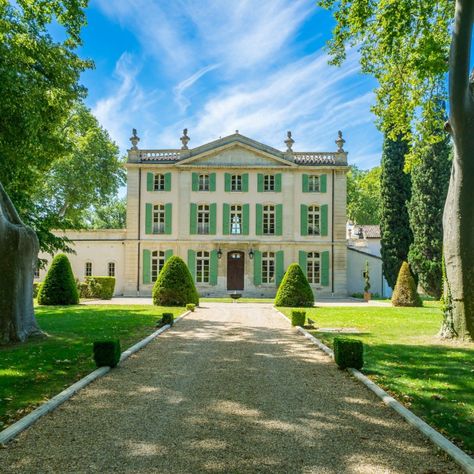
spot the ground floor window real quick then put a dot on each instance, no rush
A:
(268, 267)
(37, 272)
(157, 262)
(88, 269)
(313, 268)
(111, 269)
(202, 267)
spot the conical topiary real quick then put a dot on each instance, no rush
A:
(405, 293)
(59, 286)
(174, 285)
(294, 290)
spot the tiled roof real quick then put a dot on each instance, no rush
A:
(369, 231)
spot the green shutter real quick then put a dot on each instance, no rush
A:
(304, 219)
(305, 183)
(302, 259)
(245, 219)
(278, 183)
(260, 183)
(279, 266)
(226, 219)
(168, 218)
(193, 218)
(192, 263)
(150, 178)
(257, 267)
(212, 218)
(259, 219)
(324, 220)
(325, 268)
(323, 183)
(212, 182)
(148, 212)
(245, 182)
(213, 264)
(146, 267)
(279, 219)
(227, 179)
(168, 254)
(167, 181)
(195, 181)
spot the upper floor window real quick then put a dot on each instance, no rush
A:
(203, 219)
(202, 267)
(235, 219)
(313, 184)
(88, 269)
(269, 220)
(159, 182)
(236, 182)
(111, 269)
(268, 267)
(203, 182)
(313, 268)
(157, 262)
(159, 219)
(313, 220)
(269, 182)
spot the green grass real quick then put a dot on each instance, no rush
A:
(240, 300)
(432, 377)
(31, 373)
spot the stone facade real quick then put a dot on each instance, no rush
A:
(235, 210)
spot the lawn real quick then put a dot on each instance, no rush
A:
(33, 372)
(434, 378)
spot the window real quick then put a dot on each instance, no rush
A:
(202, 267)
(159, 182)
(236, 182)
(269, 220)
(269, 182)
(236, 220)
(159, 219)
(111, 269)
(313, 220)
(37, 272)
(313, 184)
(313, 268)
(268, 267)
(88, 269)
(157, 262)
(203, 216)
(203, 184)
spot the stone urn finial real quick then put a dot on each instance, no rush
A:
(185, 139)
(289, 142)
(134, 139)
(340, 142)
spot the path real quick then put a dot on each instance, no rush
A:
(230, 389)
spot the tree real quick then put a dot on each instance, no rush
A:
(405, 293)
(405, 46)
(363, 195)
(395, 230)
(112, 215)
(294, 289)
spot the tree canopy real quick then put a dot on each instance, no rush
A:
(363, 195)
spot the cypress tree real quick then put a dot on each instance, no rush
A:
(395, 193)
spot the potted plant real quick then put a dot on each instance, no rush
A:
(367, 294)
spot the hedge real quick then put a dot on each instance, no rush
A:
(101, 287)
(348, 352)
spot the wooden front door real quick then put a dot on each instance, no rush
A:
(235, 270)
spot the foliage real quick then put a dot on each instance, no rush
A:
(167, 318)
(174, 285)
(298, 318)
(107, 353)
(112, 215)
(366, 277)
(100, 287)
(191, 307)
(405, 293)
(395, 193)
(363, 195)
(82, 289)
(36, 287)
(294, 289)
(348, 352)
(59, 286)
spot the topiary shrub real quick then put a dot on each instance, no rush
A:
(107, 353)
(101, 287)
(298, 318)
(167, 318)
(191, 307)
(348, 352)
(174, 285)
(294, 289)
(36, 288)
(59, 286)
(405, 293)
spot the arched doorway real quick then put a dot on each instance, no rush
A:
(235, 270)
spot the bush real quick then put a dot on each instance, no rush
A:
(174, 285)
(298, 318)
(36, 288)
(294, 289)
(405, 293)
(106, 353)
(59, 286)
(83, 289)
(101, 287)
(191, 307)
(348, 352)
(167, 318)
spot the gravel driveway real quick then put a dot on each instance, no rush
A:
(230, 389)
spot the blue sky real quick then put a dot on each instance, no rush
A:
(214, 66)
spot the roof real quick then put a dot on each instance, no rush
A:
(369, 231)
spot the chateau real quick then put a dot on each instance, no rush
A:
(237, 211)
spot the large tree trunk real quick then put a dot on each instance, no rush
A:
(458, 219)
(18, 258)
